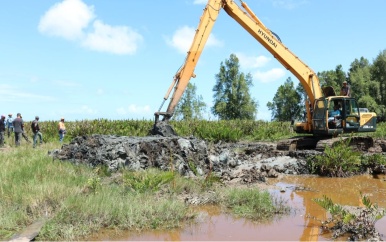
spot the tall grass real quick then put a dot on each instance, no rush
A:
(224, 130)
(32, 186)
(232, 130)
(78, 200)
(112, 208)
(254, 204)
(50, 133)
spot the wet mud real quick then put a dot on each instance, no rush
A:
(298, 191)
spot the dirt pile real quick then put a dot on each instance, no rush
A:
(244, 162)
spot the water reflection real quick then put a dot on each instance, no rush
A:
(299, 192)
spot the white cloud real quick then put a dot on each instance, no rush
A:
(134, 109)
(67, 19)
(14, 94)
(84, 109)
(200, 2)
(71, 19)
(269, 76)
(252, 61)
(113, 39)
(183, 37)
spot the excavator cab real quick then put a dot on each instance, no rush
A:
(335, 115)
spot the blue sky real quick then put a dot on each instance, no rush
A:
(83, 59)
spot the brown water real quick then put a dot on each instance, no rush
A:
(215, 225)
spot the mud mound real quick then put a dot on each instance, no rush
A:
(244, 162)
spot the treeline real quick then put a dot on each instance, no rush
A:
(366, 79)
(367, 82)
(232, 99)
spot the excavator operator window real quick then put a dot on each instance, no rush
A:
(335, 103)
(319, 115)
(335, 114)
(352, 113)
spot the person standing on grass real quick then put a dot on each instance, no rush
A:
(9, 125)
(36, 131)
(23, 133)
(18, 128)
(62, 129)
(2, 130)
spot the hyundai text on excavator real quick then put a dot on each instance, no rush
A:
(319, 103)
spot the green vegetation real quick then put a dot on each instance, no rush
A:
(366, 81)
(232, 98)
(78, 200)
(254, 204)
(287, 103)
(359, 224)
(342, 161)
(231, 130)
(191, 106)
(337, 161)
(150, 181)
(212, 131)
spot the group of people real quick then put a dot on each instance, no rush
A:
(16, 126)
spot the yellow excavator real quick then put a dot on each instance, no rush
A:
(320, 101)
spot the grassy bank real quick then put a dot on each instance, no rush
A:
(78, 200)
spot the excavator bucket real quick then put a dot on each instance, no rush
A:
(163, 128)
(328, 91)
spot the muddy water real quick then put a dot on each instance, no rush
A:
(298, 192)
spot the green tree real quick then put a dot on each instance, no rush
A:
(359, 77)
(363, 88)
(287, 102)
(191, 105)
(232, 99)
(333, 78)
(378, 74)
(369, 102)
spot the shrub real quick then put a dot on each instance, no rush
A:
(360, 225)
(337, 161)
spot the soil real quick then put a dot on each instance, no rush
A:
(240, 162)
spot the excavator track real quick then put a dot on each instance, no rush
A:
(358, 143)
(320, 143)
(298, 143)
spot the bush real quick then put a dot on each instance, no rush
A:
(360, 225)
(337, 161)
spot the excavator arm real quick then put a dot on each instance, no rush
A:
(249, 21)
(186, 72)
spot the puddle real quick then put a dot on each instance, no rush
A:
(215, 225)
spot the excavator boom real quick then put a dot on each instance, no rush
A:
(249, 21)
(316, 122)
